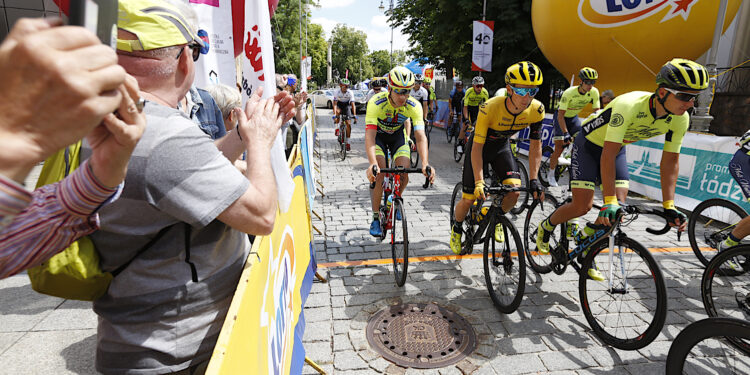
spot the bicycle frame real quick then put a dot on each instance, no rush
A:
(498, 193)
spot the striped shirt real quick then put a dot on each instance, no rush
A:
(48, 220)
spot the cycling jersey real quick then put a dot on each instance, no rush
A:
(343, 97)
(381, 114)
(420, 95)
(631, 117)
(432, 95)
(572, 102)
(496, 122)
(457, 99)
(472, 99)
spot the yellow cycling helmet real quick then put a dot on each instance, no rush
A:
(682, 74)
(523, 73)
(427, 80)
(401, 78)
(588, 73)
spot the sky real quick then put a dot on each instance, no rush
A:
(362, 15)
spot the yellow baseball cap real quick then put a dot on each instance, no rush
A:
(155, 23)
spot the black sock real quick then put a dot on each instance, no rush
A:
(458, 227)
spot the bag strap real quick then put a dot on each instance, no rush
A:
(142, 250)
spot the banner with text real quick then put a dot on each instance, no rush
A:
(481, 53)
(216, 64)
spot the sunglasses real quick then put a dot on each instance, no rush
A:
(401, 91)
(683, 96)
(523, 91)
(589, 81)
(195, 47)
(480, 86)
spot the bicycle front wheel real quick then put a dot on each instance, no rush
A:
(342, 137)
(627, 310)
(399, 243)
(456, 154)
(710, 224)
(537, 213)
(504, 266)
(725, 288)
(414, 157)
(448, 128)
(701, 349)
(455, 198)
(523, 196)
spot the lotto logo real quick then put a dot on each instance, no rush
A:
(613, 13)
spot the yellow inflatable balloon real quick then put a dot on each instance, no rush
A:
(626, 41)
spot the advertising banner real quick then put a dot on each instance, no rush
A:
(481, 53)
(216, 64)
(262, 333)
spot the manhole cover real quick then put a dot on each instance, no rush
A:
(420, 335)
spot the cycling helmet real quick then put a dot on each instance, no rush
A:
(401, 78)
(682, 74)
(344, 81)
(383, 81)
(427, 80)
(523, 73)
(374, 82)
(418, 77)
(477, 81)
(459, 84)
(588, 73)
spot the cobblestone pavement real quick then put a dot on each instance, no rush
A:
(547, 334)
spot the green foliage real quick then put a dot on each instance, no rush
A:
(441, 31)
(349, 51)
(286, 29)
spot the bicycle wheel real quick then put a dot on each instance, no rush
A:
(710, 224)
(504, 267)
(627, 310)
(414, 156)
(342, 140)
(701, 349)
(725, 290)
(544, 165)
(537, 213)
(523, 196)
(455, 198)
(399, 243)
(456, 155)
(448, 131)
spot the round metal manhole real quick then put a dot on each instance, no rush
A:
(420, 335)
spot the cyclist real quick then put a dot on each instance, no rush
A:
(457, 101)
(431, 97)
(565, 121)
(739, 167)
(343, 103)
(472, 100)
(388, 114)
(599, 152)
(378, 85)
(606, 97)
(499, 119)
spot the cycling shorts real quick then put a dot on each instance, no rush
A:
(499, 156)
(572, 123)
(739, 167)
(345, 108)
(585, 165)
(473, 113)
(395, 143)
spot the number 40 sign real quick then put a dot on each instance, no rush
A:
(481, 56)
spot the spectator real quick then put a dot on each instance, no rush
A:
(287, 82)
(607, 96)
(66, 210)
(227, 99)
(163, 313)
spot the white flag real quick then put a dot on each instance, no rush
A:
(216, 64)
(258, 71)
(481, 55)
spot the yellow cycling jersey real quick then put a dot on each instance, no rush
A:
(572, 101)
(631, 117)
(472, 99)
(496, 122)
(381, 114)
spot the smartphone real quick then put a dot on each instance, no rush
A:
(99, 16)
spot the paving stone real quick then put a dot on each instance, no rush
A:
(520, 345)
(317, 314)
(568, 360)
(536, 326)
(518, 364)
(341, 343)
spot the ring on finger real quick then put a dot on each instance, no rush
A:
(140, 104)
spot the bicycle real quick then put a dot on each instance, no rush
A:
(523, 197)
(725, 287)
(700, 349)
(457, 154)
(563, 162)
(428, 126)
(710, 224)
(414, 152)
(344, 119)
(392, 203)
(453, 128)
(607, 249)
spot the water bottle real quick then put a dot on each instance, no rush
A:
(483, 213)
(585, 232)
(389, 202)
(572, 229)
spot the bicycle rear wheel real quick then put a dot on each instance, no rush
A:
(710, 224)
(399, 243)
(544, 165)
(701, 349)
(504, 266)
(523, 196)
(537, 213)
(627, 310)
(725, 288)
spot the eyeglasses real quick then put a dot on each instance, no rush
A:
(589, 81)
(682, 95)
(196, 50)
(401, 91)
(480, 86)
(523, 91)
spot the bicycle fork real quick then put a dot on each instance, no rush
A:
(612, 289)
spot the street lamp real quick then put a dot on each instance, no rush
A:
(390, 12)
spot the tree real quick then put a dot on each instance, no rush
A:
(441, 31)
(285, 24)
(380, 61)
(349, 51)
(317, 49)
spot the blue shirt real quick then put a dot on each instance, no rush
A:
(206, 113)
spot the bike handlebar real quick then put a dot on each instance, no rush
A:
(402, 170)
(635, 209)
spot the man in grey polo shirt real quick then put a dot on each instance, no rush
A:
(184, 203)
